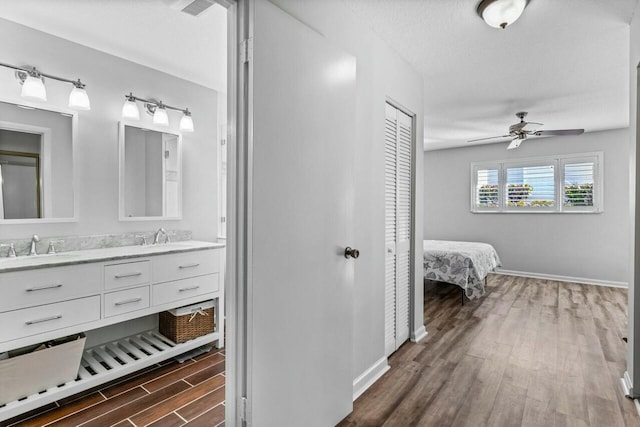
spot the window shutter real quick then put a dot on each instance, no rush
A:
(579, 186)
(530, 187)
(487, 189)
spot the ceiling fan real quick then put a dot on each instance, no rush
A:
(521, 131)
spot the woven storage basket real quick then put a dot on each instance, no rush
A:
(189, 322)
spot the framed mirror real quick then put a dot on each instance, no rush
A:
(150, 174)
(37, 153)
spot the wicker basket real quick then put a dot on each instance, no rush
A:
(189, 322)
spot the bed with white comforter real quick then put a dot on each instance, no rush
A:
(465, 264)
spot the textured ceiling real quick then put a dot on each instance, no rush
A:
(566, 62)
(147, 32)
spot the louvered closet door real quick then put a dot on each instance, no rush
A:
(398, 172)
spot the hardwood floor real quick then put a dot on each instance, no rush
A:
(169, 394)
(530, 353)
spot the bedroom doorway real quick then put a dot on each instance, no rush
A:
(399, 135)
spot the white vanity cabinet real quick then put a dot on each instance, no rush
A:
(60, 298)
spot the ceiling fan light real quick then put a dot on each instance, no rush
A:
(33, 88)
(501, 13)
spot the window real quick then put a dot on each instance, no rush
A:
(571, 183)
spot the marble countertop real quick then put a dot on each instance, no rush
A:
(102, 254)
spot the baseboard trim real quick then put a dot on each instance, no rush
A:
(369, 377)
(627, 386)
(419, 334)
(581, 280)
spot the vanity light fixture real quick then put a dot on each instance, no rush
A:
(186, 122)
(501, 13)
(160, 116)
(32, 81)
(158, 110)
(130, 108)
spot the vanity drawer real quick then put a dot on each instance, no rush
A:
(127, 274)
(125, 301)
(41, 286)
(186, 288)
(46, 318)
(183, 265)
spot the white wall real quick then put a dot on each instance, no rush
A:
(108, 79)
(588, 246)
(381, 74)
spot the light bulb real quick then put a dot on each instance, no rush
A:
(33, 88)
(78, 98)
(160, 117)
(186, 122)
(130, 110)
(502, 13)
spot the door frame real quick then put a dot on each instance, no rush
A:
(237, 211)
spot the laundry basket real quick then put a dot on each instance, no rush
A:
(32, 369)
(189, 322)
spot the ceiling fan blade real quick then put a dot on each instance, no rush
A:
(515, 143)
(491, 137)
(559, 132)
(532, 126)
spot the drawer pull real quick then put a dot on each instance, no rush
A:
(46, 319)
(189, 265)
(122, 276)
(190, 288)
(42, 288)
(128, 301)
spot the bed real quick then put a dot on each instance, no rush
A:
(465, 264)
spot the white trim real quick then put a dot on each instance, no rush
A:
(369, 377)
(582, 280)
(419, 334)
(627, 385)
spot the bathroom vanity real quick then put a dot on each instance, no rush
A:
(50, 296)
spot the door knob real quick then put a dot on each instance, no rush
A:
(350, 252)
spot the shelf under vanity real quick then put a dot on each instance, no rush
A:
(93, 289)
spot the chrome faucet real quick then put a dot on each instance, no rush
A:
(160, 231)
(11, 253)
(34, 239)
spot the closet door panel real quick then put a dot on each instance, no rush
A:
(398, 218)
(390, 229)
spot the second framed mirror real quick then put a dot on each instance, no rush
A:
(150, 174)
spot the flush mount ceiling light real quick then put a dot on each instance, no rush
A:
(501, 13)
(32, 81)
(157, 109)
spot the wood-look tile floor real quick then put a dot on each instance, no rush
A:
(169, 394)
(530, 353)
